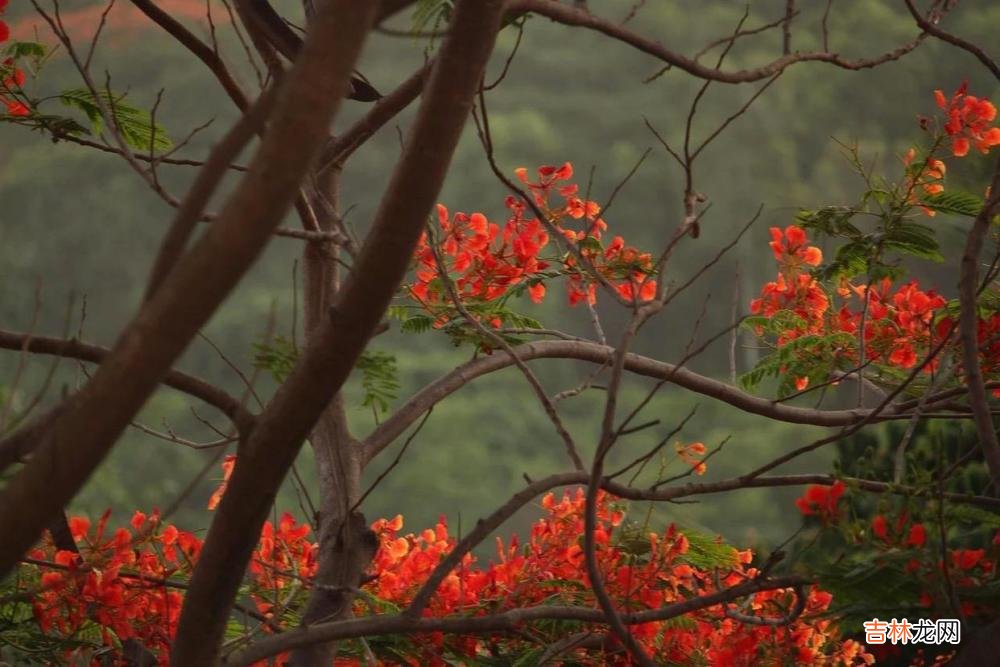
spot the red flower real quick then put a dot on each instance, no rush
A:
(821, 501)
(880, 527)
(917, 537)
(967, 559)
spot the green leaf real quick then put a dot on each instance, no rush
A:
(417, 324)
(136, 125)
(277, 355)
(33, 50)
(707, 552)
(831, 221)
(914, 239)
(429, 15)
(955, 203)
(851, 260)
(379, 379)
(60, 125)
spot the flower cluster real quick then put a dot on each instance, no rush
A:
(488, 262)
(968, 121)
(642, 570)
(284, 555)
(121, 584)
(901, 324)
(794, 289)
(130, 583)
(900, 533)
(693, 455)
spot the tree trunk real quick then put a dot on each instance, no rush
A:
(346, 545)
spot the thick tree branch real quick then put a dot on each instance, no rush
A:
(968, 287)
(333, 350)
(81, 438)
(265, 21)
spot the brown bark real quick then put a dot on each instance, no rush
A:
(968, 291)
(330, 356)
(85, 433)
(346, 545)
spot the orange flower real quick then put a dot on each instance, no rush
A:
(968, 121)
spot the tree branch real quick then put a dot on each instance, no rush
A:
(503, 622)
(76, 349)
(596, 353)
(336, 344)
(81, 438)
(201, 50)
(930, 27)
(569, 15)
(968, 329)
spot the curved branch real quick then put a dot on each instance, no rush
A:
(73, 348)
(268, 23)
(596, 353)
(504, 622)
(930, 27)
(201, 50)
(968, 329)
(569, 15)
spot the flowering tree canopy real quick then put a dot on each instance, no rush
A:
(849, 336)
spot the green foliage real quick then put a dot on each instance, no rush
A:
(912, 238)
(807, 356)
(136, 125)
(379, 379)
(22, 642)
(954, 203)
(379, 375)
(32, 51)
(830, 221)
(277, 355)
(431, 15)
(416, 320)
(707, 552)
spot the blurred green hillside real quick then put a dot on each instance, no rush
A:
(73, 221)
